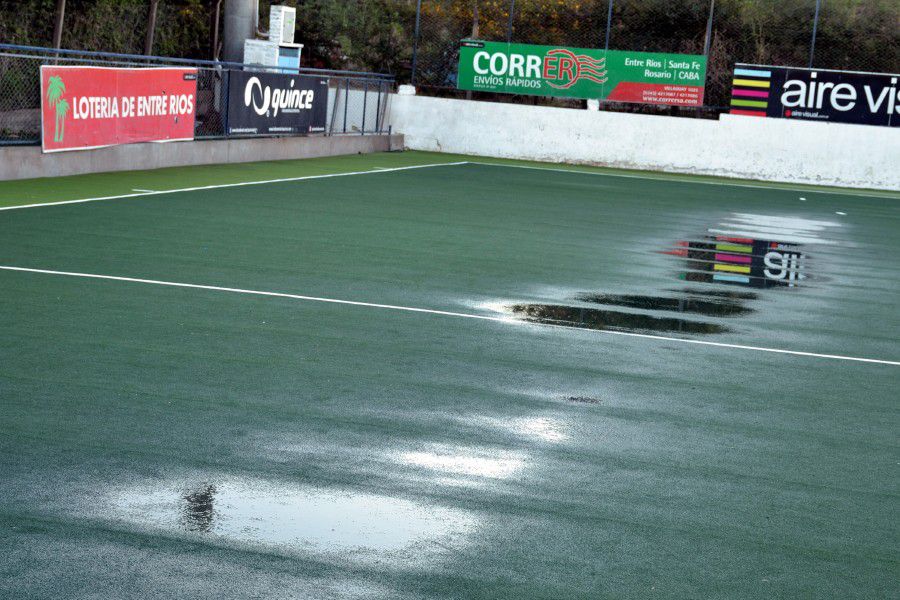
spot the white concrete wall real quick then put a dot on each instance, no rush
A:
(24, 162)
(742, 147)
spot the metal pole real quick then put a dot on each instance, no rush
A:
(509, 24)
(226, 82)
(812, 44)
(334, 105)
(346, 100)
(608, 24)
(415, 57)
(712, 8)
(362, 131)
(378, 109)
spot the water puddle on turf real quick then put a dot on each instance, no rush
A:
(724, 294)
(533, 428)
(745, 250)
(293, 516)
(450, 461)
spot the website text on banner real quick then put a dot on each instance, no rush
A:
(816, 95)
(614, 75)
(92, 107)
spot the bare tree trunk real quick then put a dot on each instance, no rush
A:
(709, 24)
(474, 35)
(216, 12)
(60, 18)
(151, 27)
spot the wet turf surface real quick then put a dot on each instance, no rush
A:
(168, 442)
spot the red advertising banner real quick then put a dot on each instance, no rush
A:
(92, 107)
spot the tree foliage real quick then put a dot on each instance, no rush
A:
(378, 34)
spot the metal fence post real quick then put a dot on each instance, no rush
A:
(362, 130)
(415, 56)
(334, 104)
(385, 106)
(346, 100)
(378, 110)
(608, 24)
(509, 24)
(812, 44)
(226, 84)
(709, 23)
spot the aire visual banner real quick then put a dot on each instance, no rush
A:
(816, 95)
(92, 107)
(614, 75)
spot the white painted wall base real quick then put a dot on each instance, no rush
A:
(24, 162)
(741, 147)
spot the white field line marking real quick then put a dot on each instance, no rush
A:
(446, 313)
(774, 186)
(142, 191)
(238, 184)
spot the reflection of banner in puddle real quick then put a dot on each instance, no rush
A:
(741, 261)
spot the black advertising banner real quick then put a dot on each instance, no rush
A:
(816, 95)
(274, 103)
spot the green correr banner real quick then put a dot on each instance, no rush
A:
(616, 75)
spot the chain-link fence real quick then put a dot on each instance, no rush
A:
(358, 106)
(849, 34)
(182, 27)
(418, 40)
(357, 102)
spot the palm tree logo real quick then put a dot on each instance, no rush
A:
(55, 89)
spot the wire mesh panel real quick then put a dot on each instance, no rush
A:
(20, 94)
(659, 25)
(357, 106)
(91, 29)
(443, 24)
(361, 97)
(579, 24)
(858, 36)
(20, 99)
(212, 103)
(851, 34)
(183, 27)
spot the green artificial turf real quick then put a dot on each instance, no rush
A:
(161, 441)
(53, 189)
